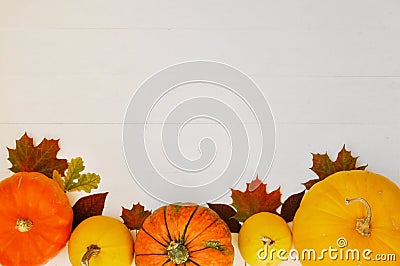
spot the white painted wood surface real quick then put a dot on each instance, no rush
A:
(329, 69)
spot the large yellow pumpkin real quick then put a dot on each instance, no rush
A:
(350, 218)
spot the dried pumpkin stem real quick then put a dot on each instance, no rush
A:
(363, 224)
(177, 253)
(92, 250)
(23, 225)
(262, 253)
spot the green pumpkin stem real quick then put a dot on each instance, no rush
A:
(363, 225)
(92, 250)
(177, 253)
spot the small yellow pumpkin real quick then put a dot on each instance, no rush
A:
(350, 218)
(102, 241)
(265, 239)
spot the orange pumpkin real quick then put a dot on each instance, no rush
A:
(184, 235)
(350, 218)
(35, 219)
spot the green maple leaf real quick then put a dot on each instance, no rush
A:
(74, 180)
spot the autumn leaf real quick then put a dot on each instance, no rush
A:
(134, 218)
(88, 206)
(26, 157)
(311, 183)
(345, 161)
(226, 213)
(59, 179)
(323, 166)
(291, 205)
(255, 199)
(74, 180)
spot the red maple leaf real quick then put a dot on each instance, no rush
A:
(134, 217)
(255, 199)
(26, 157)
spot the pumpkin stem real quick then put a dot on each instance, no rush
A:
(262, 253)
(92, 250)
(177, 253)
(363, 225)
(23, 225)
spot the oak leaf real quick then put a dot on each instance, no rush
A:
(74, 180)
(26, 157)
(255, 199)
(134, 217)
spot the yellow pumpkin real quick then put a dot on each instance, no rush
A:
(101, 241)
(350, 218)
(264, 239)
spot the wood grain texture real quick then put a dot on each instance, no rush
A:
(329, 71)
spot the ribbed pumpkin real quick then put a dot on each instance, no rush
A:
(184, 235)
(35, 219)
(350, 218)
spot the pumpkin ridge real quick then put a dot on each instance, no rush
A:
(167, 261)
(187, 224)
(166, 224)
(5, 245)
(332, 199)
(35, 243)
(331, 214)
(192, 261)
(152, 254)
(384, 243)
(196, 236)
(144, 230)
(198, 250)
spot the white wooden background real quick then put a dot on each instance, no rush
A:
(329, 69)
